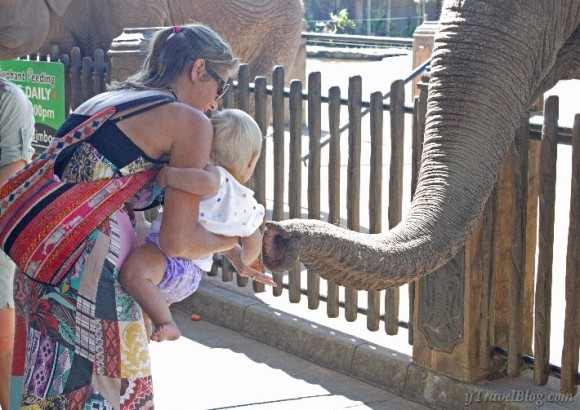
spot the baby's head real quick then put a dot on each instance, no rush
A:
(237, 142)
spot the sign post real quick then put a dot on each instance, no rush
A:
(43, 84)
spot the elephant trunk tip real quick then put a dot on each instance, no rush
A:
(276, 250)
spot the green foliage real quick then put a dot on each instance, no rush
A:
(339, 23)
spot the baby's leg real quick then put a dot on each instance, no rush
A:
(140, 274)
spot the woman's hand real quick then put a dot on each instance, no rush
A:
(234, 256)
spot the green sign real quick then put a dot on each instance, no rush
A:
(43, 84)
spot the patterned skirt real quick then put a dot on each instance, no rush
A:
(82, 344)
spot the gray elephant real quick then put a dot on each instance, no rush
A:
(491, 59)
(262, 34)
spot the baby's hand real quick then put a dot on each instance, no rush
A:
(161, 179)
(233, 256)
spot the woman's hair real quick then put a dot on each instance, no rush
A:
(236, 139)
(172, 51)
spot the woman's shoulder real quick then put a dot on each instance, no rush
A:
(188, 121)
(114, 98)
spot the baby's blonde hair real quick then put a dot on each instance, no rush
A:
(237, 137)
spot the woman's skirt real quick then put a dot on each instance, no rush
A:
(82, 344)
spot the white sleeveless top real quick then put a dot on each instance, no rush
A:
(231, 211)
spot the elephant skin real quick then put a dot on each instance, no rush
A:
(262, 34)
(490, 60)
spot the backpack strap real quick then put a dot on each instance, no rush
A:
(157, 99)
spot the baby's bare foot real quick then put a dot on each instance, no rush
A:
(166, 331)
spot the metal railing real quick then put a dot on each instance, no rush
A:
(359, 41)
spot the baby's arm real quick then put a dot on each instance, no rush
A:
(193, 180)
(251, 247)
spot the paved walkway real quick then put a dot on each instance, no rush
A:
(249, 354)
(212, 367)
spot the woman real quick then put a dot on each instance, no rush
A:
(16, 133)
(80, 340)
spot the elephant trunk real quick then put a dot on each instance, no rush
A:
(353, 259)
(479, 90)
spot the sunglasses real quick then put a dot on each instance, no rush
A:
(222, 85)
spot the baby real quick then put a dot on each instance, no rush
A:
(227, 208)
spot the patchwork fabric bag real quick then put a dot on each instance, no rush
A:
(44, 222)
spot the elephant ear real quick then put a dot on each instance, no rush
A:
(59, 6)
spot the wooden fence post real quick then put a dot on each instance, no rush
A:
(572, 314)
(295, 177)
(258, 180)
(313, 189)
(547, 206)
(395, 209)
(353, 178)
(375, 198)
(332, 303)
(446, 331)
(279, 156)
(418, 132)
(481, 309)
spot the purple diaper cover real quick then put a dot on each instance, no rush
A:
(181, 277)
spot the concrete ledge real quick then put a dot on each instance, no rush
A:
(441, 392)
(300, 337)
(381, 367)
(358, 54)
(218, 306)
(237, 309)
(319, 344)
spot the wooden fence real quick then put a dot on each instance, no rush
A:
(508, 309)
(506, 235)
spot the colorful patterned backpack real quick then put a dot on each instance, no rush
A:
(43, 221)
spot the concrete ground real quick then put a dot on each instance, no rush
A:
(212, 367)
(248, 354)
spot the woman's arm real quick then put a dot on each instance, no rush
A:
(8, 170)
(193, 180)
(180, 234)
(16, 132)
